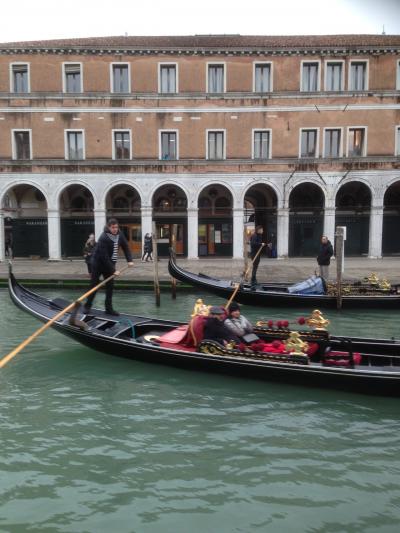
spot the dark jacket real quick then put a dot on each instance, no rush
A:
(102, 254)
(148, 244)
(325, 254)
(256, 241)
(215, 330)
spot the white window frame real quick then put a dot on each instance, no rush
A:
(316, 128)
(222, 130)
(216, 64)
(119, 63)
(397, 141)
(327, 61)
(121, 130)
(365, 128)
(303, 61)
(398, 75)
(13, 143)
(64, 79)
(71, 130)
(253, 132)
(12, 76)
(168, 130)
(366, 61)
(341, 140)
(271, 71)
(166, 64)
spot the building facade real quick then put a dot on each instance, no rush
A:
(210, 135)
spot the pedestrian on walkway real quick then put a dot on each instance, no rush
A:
(104, 260)
(147, 248)
(88, 251)
(8, 247)
(324, 257)
(256, 242)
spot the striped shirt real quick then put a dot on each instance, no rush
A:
(115, 239)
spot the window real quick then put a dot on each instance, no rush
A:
(72, 78)
(332, 142)
(261, 144)
(122, 145)
(356, 142)
(168, 145)
(74, 145)
(310, 77)
(21, 143)
(397, 141)
(358, 76)
(308, 143)
(334, 76)
(20, 78)
(167, 79)
(216, 79)
(120, 78)
(215, 145)
(262, 78)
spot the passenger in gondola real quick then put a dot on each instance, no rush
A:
(256, 242)
(216, 330)
(104, 259)
(238, 324)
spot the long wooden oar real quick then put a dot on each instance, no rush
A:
(244, 277)
(38, 332)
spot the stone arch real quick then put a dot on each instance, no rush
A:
(24, 205)
(306, 218)
(353, 208)
(260, 209)
(391, 219)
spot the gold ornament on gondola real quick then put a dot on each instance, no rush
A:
(200, 308)
(373, 279)
(317, 321)
(295, 345)
(385, 285)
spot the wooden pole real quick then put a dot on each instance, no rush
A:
(155, 262)
(245, 255)
(339, 235)
(39, 331)
(173, 245)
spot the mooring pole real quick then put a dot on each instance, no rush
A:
(340, 236)
(155, 263)
(173, 246)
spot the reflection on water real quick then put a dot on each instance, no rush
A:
(95, 443)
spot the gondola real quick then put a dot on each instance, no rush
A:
(277, 294)
(146, 339)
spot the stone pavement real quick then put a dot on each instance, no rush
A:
(293, 269)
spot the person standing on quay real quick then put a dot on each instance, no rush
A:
(104, 259)
(256, 242)
(147, 248)
(88, 251)
(324, 257)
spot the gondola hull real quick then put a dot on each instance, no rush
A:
(124, 337)
(276, 295)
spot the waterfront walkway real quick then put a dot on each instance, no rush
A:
(293, 269)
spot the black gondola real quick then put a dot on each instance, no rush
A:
(277, 295)
(140, 338)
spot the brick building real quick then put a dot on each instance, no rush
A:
(212, 133)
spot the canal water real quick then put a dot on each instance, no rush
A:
(92, 443)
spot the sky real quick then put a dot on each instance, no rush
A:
(27, 20)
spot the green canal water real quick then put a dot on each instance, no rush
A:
(92, 443)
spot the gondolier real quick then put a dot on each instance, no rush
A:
(256, 242)
(324, 257)
(104, 259)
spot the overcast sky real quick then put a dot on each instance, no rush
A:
(24, 20)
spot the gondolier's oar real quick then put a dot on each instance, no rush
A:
(27, 341)
(243, 277)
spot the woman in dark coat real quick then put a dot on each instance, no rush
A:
(324, 257)
(147, 248)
